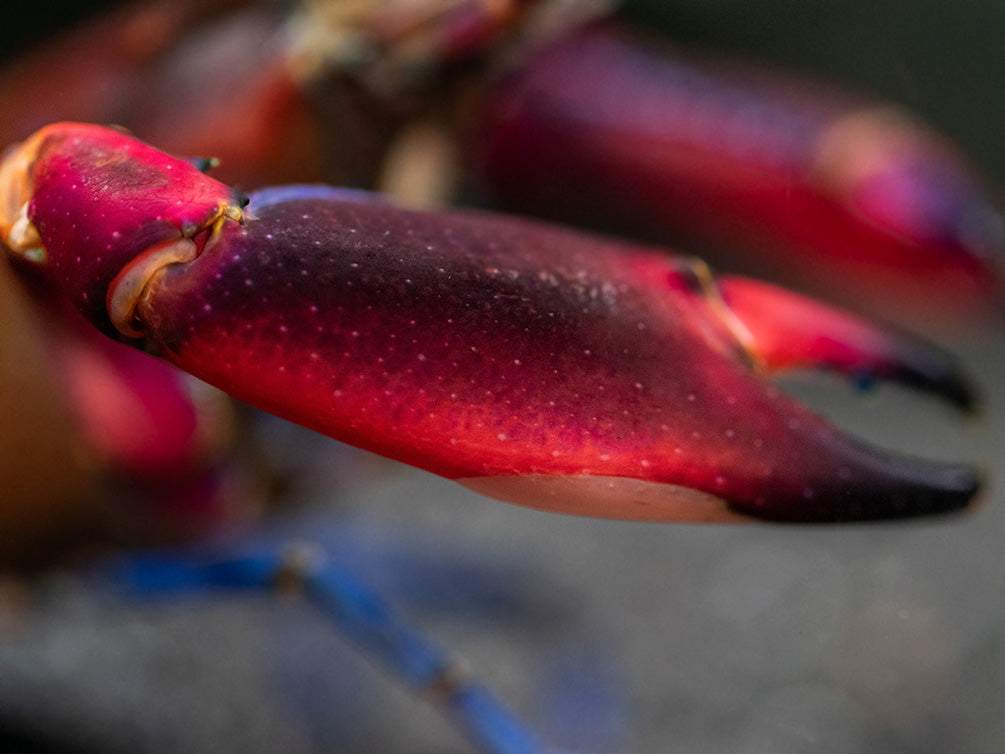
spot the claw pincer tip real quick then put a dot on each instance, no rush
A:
(531, 363)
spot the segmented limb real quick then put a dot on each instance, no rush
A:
(356, 612)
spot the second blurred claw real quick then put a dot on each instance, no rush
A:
(844, 195)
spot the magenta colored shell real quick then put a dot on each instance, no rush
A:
(101, 198)
(529, 362)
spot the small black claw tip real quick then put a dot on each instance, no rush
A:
(929, 368)
(917, 489)
(951, 385)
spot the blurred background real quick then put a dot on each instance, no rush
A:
(604, 636)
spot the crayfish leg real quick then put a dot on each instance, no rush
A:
(356, 612)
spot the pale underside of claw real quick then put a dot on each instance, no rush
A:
(607, 497)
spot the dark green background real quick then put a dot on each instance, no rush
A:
(944, 60)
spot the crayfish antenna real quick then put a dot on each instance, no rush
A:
(789, 331)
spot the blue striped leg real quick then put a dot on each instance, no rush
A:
(361, 616)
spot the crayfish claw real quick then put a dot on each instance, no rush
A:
(789, 331)
(534, 364)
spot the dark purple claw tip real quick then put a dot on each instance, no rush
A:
(891, 488)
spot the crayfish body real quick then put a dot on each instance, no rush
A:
(528, 362)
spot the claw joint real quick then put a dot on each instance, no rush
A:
(130, 285)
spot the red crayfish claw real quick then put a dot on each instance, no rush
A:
(529, 362)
